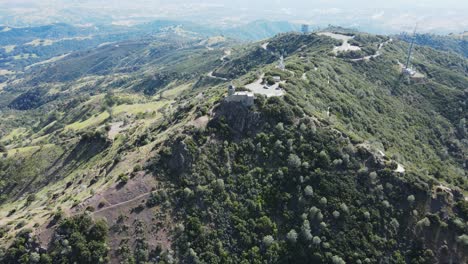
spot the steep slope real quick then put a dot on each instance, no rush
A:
(355, 163)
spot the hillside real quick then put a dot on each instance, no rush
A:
(129, 153)
(457, 43)
(26, 47)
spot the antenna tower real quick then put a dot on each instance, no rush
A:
(281, 63)
(411, 48)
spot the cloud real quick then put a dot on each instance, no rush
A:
(378, 15)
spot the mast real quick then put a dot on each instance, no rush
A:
(411, 48)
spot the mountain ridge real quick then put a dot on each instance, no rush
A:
(310, 175)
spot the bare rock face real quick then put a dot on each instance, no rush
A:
(237, 118)
(180, 159)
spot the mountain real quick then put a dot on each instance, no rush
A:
(22, 48)
(131, 153)
(252, 31)
(457, 43)
(261, 29)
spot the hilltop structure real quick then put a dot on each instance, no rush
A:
(406, 69)
(245, 98)
(281, 65)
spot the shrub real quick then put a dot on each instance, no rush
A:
(31, 198)
(137, 168)
(123, 178)
(20, 224)
(157, 197)
(3, 231)
(58, 215)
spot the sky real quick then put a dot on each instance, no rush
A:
(372, 15)
(246, 3)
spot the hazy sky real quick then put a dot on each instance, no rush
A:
(389, 15)
(451, 4)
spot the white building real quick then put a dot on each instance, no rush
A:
(246, 98)
(409, 71)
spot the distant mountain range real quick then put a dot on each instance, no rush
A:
(24, 46)
(457, 43)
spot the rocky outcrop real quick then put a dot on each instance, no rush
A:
(180, 159)
(236, 118)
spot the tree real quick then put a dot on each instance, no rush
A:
(313, 212)
(268, 240)
(323, 159)
(463, 239)
(316, 240)
(294, 161)
(344, 208)
(308, 190)
(305, 230)
(338, 260)
(292, 236)
(35, 257)
(323, 201)
(367, 215)
(336, 214)
(79, 239)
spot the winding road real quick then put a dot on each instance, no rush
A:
(377, 53)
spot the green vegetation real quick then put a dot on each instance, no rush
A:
(95, 120)
(356, 163)
(279, 197)
(452, 43)
(77, 240)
